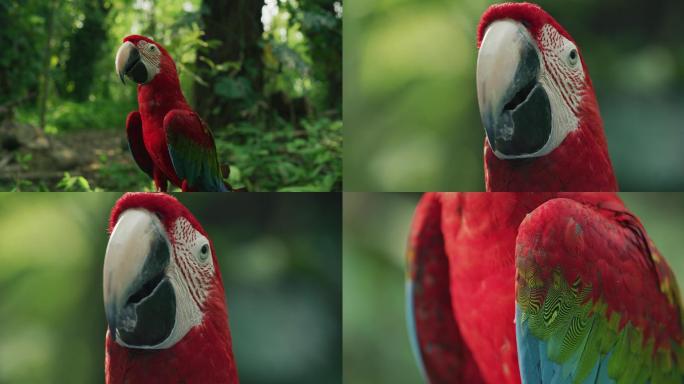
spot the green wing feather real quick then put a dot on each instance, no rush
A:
(567, 329)
(192, 151)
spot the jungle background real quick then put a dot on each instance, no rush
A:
(410, 104)
(266, 76)
(280, 259)
(376, 346)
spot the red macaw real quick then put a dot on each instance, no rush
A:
(168, 140)
(537, 104)
(544, 133)
(163, 296)
(595, 302)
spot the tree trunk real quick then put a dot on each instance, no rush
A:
(325, 43)
(85, 49)
(230, 95)
(45, 75)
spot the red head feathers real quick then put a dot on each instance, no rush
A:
(538, 107)
(163, 295)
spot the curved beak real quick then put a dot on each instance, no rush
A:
(128, 63)
(139, 299)
(514, 106)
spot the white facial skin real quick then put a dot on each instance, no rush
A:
(190, 270)
(150, 55)
(561, 75)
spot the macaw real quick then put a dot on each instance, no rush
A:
(538, 107)
(168, 140)
(546, 287)
(163, 296)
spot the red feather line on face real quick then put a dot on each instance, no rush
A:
(167, 207)
(204, 354)
(530, 15)
(581, 162)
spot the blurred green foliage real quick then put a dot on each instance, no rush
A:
(64, 50)
(376, 227)
(280, 258)
(410, 100)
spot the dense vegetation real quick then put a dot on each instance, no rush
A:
(265, 76)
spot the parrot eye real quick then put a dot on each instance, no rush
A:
(204, 252)
(572, 57)
(152, 48)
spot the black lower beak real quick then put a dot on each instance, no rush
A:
(523, 125)
(150, 320)
(134, 68)
(148, 316)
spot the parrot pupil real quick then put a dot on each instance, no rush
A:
(205, 249)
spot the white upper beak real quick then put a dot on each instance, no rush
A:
(122, 57)
(127, 250)
(497, 63)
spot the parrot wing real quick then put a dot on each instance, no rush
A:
(435, 337)
(136, 144)
(595, 301)
(192, 151)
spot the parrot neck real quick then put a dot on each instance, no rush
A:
(204, 355)
(162, 94)
(580, 163)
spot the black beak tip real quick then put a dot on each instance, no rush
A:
(112, 332)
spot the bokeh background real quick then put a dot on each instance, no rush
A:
(265, 75)
(376, 226)
(280, 257)
(410, 105)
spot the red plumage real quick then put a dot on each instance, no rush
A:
(462, 254)
(204, 354)
(159, 100)
(626, 269)
(463, 247)
(155, 99)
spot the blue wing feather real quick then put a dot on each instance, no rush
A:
(536, 367)
(411, 323)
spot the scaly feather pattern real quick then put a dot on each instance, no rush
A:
(595, 301)
(476, 237)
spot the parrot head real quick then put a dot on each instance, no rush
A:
(142, 59)
(532, 83)
(161, 277)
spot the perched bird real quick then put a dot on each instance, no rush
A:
(163, 297)
(538, 107)
(168, 140)
(594, 302)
